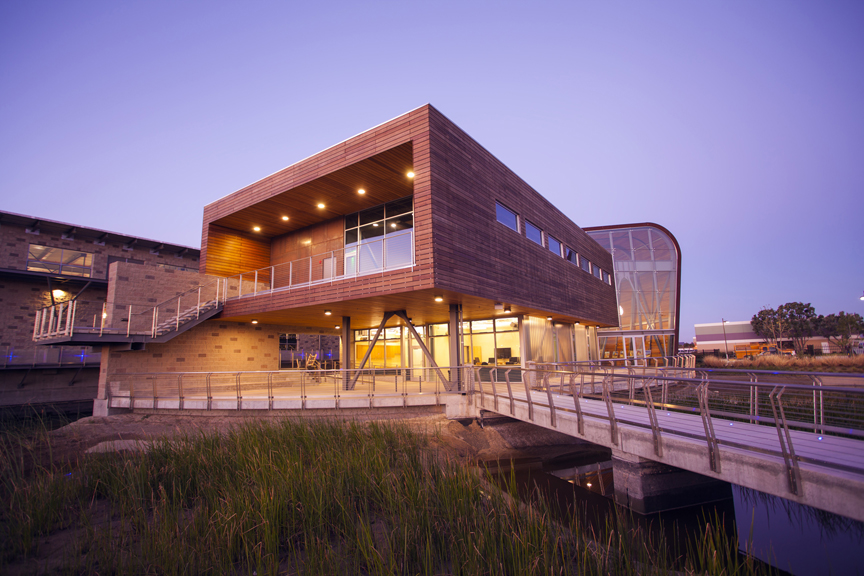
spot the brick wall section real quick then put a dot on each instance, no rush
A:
(21, 297)
(15, 242)
(212, 346)
(475, 254)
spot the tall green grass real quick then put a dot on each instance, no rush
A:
(313, 498)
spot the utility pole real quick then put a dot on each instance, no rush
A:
(725, 342)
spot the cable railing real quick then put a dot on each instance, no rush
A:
(805, 422)
(392, 252)
(101, 318)
(278, 389)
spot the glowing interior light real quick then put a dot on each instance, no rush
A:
(285, 218)
(58, 293)
(410, 174)
(320, 205)
(254, 321)
(393, 225)
(375, 225)
(439, 298)
(256, 228)
(620, 310)
(589, 484)
(327, 312)
(361, 191)
(337, 327)
(820, 438)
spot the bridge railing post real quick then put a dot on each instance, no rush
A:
(607, 397)
(708, 424)
(551, 400)
(793, 473)
(580, 423)
(509, 390)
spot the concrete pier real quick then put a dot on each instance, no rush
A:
(645, 486)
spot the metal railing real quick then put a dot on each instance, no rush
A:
(662, 395)
(277, 389)
(48, 356)
(392, 252)
(100, 318)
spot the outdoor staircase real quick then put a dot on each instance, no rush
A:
(171, 327)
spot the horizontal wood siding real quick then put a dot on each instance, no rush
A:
(232, 252)
(475, 254)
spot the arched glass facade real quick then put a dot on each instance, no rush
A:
(647, 263)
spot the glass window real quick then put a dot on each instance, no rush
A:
(554, 245)
(438, 330)
(597, 272)
(399, 223)
(586, 265)
(481, 326)
(606, 277)
(372, 215)
(393, 333)
(361, 335)
(351, 221)
(373, 230)
(401, 206)
(351, 236)
(506, 324)
(533, 233)
(507, 217)
(572, 256)
(59, 261)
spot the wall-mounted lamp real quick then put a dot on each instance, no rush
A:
(507, 309)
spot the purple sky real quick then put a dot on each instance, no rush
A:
(737, 125)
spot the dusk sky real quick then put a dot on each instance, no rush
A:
(737, 125)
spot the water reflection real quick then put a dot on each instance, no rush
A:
(796, 539)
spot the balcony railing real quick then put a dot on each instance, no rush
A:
(392, 252)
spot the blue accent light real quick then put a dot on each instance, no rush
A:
(730, 424)
(820, 438)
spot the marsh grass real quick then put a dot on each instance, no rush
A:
(832, 363)
(314, 498)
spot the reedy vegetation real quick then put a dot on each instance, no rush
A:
(314, 499)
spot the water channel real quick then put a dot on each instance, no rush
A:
(793, 538)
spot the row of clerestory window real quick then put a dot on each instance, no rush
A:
(511, 219)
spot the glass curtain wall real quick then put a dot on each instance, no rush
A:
(646, 261)
(380, 238)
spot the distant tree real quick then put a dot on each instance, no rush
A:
(769, 325)
(798, 321)
(840, 328)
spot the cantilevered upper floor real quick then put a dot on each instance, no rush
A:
(412, 214)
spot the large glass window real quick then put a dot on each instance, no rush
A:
(380, 237)
(59, 261)
(492, 342)
(586, 264)
(572, 257)
(507, 217)
(533, 233)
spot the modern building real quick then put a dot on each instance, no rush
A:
(414, 246)
(738, 339)
(647, 261)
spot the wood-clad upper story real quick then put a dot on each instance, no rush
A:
(459, 246)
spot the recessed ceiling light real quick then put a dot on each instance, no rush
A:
(393, 225)
(549, 318)
(337, 327)
(361, 191)
(410, 174)
(58, 293)
(285, 218)
(327, 312)
(507, 309)
(439, 298)
(256, 228)
(254, 321)
(320, 205)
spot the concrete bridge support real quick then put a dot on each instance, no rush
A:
(645, 486)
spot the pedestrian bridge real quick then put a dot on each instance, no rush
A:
(797, 436)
